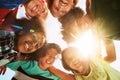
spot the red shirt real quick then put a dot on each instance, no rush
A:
(3, 14)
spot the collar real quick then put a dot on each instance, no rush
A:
(21, 13)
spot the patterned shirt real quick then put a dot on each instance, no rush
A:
(7, 53)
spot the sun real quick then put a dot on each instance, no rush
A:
(87, 43)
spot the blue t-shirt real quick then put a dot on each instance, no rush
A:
(10, 3)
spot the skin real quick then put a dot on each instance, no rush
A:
(35, 7)
(75, 62)
(2, 70)
(61, 7)
(30, 42)
(48, 59)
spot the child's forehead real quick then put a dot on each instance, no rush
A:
(69, 57)
(51, 51)
(68, 54)
(71, 52)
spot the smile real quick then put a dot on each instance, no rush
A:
(48, 62)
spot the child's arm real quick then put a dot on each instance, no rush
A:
(62, 75)
(110, 49)
(88, 5)
(2, 69)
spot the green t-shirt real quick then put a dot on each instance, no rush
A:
(32, 68)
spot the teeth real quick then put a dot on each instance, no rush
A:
(48, 62)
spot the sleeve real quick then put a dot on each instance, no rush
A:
(3, 14)
(15, 65)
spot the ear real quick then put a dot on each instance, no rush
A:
(72, 5)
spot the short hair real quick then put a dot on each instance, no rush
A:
(42, 51)
(69, 20)
(72, 15)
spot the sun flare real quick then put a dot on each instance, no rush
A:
(87, 43)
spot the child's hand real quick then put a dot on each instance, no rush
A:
(2, 70)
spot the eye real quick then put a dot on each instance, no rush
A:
(43, 11)
(63, 3)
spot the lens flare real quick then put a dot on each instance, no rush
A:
(87, 43)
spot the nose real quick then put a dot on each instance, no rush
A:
(57, 8)
(32, 45)
(60, 8)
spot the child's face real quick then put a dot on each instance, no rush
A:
(30, 42)
(48, 59)
(35, 7)
(76, 63)
(61, 7)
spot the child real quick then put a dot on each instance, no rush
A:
(29, 9)
(28, 38)
(87, 68)
(82, 23)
